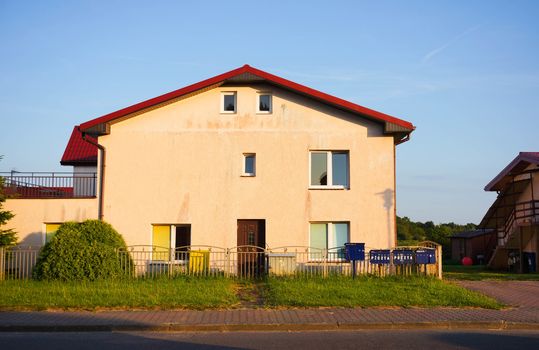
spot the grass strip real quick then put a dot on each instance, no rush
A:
(159, 293)
(371, 292)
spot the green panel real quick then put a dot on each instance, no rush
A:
(318, 239)
(340, 234)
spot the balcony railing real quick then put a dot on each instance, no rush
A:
(49, 185)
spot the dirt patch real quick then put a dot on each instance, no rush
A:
(250, 295)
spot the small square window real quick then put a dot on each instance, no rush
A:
(249, 164)
(228, 102)
(264, 103)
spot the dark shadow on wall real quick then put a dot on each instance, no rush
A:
(33, 240)
(387, 196)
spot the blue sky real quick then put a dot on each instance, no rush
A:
(466, 73)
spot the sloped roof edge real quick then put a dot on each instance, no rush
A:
(529, 157)
(405, 125)
(78, 151)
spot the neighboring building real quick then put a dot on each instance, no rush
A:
(476, 244)
(245, 157)
(514, 215)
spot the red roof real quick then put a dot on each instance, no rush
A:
(78, 151)
(250, 73)
(521, 162)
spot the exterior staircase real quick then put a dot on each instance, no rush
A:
(523, 214)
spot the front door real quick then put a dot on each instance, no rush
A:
(251, 244)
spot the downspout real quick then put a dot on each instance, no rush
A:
(395, 193)
(101, 175)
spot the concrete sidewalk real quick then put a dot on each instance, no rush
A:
(271, 319)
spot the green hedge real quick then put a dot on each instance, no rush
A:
(83, 251)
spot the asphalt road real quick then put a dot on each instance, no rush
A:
(379, 339)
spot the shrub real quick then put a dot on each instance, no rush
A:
(8, 237)
(83, 251)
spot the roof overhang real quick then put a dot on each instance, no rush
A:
(502, 207)
(399, 128)
(516, 167)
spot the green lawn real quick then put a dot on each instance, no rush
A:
(207, 293)
(479, 273)
(191, 293)
(371, 291)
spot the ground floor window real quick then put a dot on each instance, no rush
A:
(331, 236)
(50, 231)
(175, 236)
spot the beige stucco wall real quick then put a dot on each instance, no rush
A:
(181, 164)
(31, 215)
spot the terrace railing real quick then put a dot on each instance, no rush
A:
(245, 262)
(49, 185)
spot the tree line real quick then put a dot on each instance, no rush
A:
(410, 232)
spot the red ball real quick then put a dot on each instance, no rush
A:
(467, 261)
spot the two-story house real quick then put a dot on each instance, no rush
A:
(514, 216)
(245, 157)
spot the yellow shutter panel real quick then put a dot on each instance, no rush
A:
(50, 230)
(161, 242)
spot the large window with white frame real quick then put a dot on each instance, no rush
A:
(329, 169)
(263, 103)
(171, 242)
(228, 102)
(330, 236)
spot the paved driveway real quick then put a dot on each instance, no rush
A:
(514, 293)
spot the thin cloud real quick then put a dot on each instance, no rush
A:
(436, 51)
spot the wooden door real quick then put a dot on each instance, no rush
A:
(251, 244)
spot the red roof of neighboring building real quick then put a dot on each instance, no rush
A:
(249, 73)
(78, 151)
(521, 162)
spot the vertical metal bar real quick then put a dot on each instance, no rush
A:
(2, 260)
(439, 261)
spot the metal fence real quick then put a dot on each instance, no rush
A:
(49, 185)
(248, 261)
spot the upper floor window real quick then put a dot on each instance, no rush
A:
(329, 169)
(263, 104)
(228, 102)
(249, 164)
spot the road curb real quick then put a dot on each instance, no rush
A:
(175, 327)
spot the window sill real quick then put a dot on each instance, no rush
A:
(228, 112)
(247, 175)
(328, 188)
(263, 112)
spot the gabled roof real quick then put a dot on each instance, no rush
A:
(246, 73)
(78, 151)
(521, 162)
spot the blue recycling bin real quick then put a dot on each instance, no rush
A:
(425, 256)
(354, 251)
(380, 256)
(403, 256)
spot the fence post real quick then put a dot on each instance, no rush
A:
(2, 268)
(170, 261)
(439, 260)
(325, 262)
(227, 263)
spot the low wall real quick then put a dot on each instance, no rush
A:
(31, 215)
